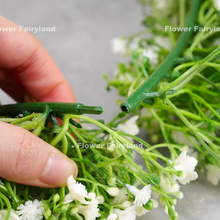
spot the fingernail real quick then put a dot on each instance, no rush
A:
(57, 170)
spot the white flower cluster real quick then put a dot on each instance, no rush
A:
(130, 211)
(89, 202)
(130, 126)
(183, 163)
(123, 46)
(187, 165)
(77, 191)
(32, 210)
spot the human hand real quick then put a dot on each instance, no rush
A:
(28, 73)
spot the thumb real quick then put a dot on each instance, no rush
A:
(26, 159)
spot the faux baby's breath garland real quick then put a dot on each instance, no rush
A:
(110, 184)
(183, 108)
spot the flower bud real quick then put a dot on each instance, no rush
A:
(126, 204)
(172, 214)
(111, 146)
(111, 181)
(47, 213)
(64, 208)
(74, 211)
(112, 216)
(113, 191)
(96, 157)
(135, 55)
(174, 201)
(179, 195)
(91, 195)
(122, 115)
(149, 205)
(162, 200)
(56, 198)
(154, 138)
(216, 5)
(101, 199)
(121, 67)
(155, 203)
(175, 74)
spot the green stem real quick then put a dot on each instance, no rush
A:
(138, 95)
(65, 144)
(78, 151)
(188, 124)
(182, 12)
(61, 134)
(8, 205)
(14, 197)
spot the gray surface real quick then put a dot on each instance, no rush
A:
(81, 48)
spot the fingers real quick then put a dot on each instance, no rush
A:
(26, 159)
(30, 65)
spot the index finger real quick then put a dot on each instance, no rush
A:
(29, 64)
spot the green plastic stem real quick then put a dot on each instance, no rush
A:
(56, 108)
(138, 96)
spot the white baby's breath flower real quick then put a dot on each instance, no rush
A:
(126, 76)
(163, 42)
(113, 191)
(112, 216)
(141, 196)
(127, 214)
(164, 6)
(217, 4)
(32, 210)
(134, 44)
(141, 211)
(125, 204)
(111, 146)
(74, 210)
(121, 197)
(130, 126)
(145, 113)
(213, 174)
(100, 199)
(86, 126)
(186, 164)
(77, 191)
(91, 210)
(155, 203)
(13, 216)
(166, 185)
(119, 46)
(152, 56)
(91, 195)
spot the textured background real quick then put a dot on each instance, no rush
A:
(81, 48)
